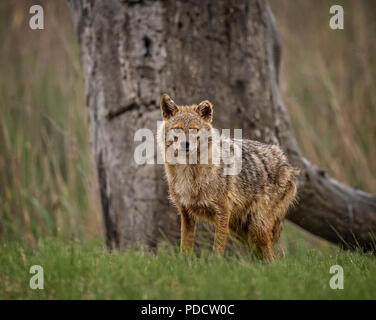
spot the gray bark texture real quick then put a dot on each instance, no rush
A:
(225, 51)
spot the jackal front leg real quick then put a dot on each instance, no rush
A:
(222, 219)
(187, 231)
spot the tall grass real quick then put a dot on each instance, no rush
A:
(328, 81)
(46, 177)
(47, 182)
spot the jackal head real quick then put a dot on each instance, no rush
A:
(186, 130)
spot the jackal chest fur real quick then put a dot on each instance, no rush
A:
(193, 186)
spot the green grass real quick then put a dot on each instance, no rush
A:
(84, 270)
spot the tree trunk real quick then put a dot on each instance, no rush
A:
(225, 51)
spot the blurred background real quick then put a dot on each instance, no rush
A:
(48, 184)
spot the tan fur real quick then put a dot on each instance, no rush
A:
(250, 206)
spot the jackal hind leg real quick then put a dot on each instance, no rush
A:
(260, 238)
(280, 209)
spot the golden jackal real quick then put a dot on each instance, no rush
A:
(249, 206)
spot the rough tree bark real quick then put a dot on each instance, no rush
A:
(225, 51)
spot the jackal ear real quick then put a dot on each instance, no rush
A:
(205, 110)
(168, 107)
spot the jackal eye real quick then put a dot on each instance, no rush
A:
(194, 131)
(176, 130)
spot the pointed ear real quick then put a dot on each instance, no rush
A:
(168, 107)
(205, 110)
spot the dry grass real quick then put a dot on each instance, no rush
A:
(328, 81)
(46, 177)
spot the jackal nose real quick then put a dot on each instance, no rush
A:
(184, 145)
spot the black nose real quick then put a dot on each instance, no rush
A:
(184, 145)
